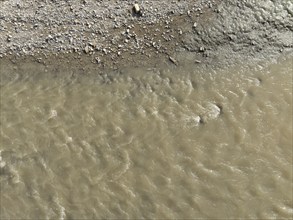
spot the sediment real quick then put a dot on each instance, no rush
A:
(112, 34)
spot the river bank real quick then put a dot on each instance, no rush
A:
(111, 34)
(172, 110)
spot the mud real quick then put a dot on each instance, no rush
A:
(110, 34)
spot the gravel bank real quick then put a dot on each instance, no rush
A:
(112, 34)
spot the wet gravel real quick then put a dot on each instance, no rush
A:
(112, 33)
(245, 30)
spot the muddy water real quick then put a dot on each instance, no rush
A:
(153, 143)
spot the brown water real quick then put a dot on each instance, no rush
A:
(154, 143)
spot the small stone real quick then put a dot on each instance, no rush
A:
(87, 49)
(93, 44)
(194, 24)
(9, 38)
(98, 60)
(201, 49)
(136, 8)
(173, 60)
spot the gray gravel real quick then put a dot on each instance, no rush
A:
(247, 29)
(111, 33)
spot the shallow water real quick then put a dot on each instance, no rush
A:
(153, 143)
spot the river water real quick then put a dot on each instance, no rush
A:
(184, 142)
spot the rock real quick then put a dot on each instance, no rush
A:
(197, 120)
(136, 9)
(192, 121)
(98, 60)
(9, 38)
(201, 49)
(87, 49)
(173, 60)
(93, 44)
(213, 111)
(194, 24)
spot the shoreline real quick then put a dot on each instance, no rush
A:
(111, 35)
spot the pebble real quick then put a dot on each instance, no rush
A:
(87, 49)
(98, 60)
(173, 60)
(136, 8)
(9, 38)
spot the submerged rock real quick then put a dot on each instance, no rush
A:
(213, 111)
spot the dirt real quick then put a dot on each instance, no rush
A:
(110, 34)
